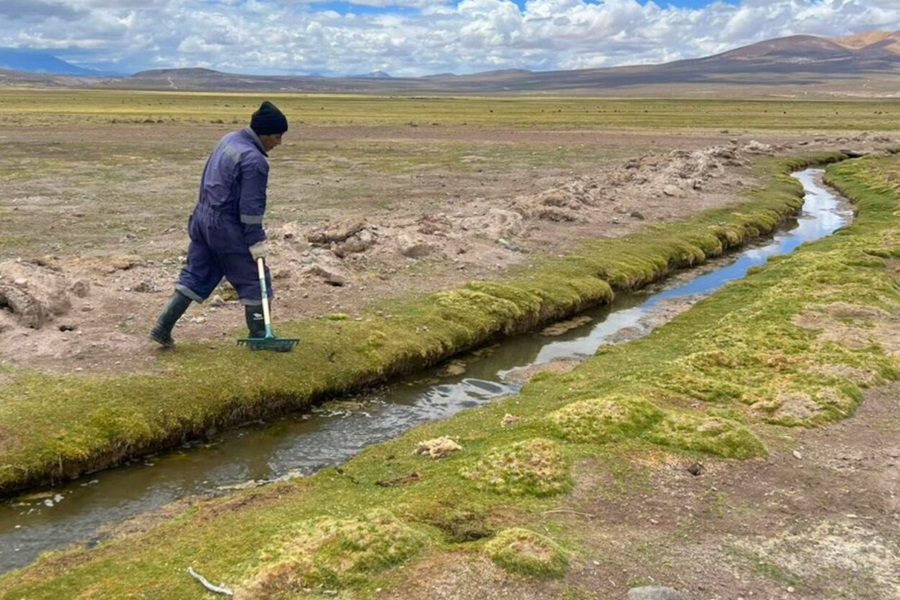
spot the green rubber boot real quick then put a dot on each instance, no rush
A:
(256, 324)
(162, 331)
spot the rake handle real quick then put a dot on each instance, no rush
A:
(267, 319)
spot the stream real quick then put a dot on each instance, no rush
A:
(84, 510)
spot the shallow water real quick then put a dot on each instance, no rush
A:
(304, 443)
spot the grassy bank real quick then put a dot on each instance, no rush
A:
(56, 427)
(60, 106)
(791, 344)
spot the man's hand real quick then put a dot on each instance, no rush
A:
(259, 250)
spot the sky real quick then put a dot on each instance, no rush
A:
(413, 38)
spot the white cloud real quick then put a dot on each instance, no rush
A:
(415, 37)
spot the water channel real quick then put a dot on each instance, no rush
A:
(81, 511)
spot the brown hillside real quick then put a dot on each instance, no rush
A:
(805, 47)
(882, 39)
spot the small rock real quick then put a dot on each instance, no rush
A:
(80, 288)
(696, 469)
(328, 275)
(654, 592)
(438, 447)
(453, 369)
(671, 191)
(508, 245)
(509, 419)
(417, 249)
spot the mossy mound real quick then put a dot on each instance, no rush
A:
(796, 407)
(602, 420)
(331, 553)
(534, 467)
(525, 552)
(712, 435)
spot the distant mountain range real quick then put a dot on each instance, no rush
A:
(33, 61)
(864, 64)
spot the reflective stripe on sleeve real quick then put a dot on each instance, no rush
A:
(252, 219)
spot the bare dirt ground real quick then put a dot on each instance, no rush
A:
(818, 519)
(88, 310)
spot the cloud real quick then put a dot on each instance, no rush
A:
(38, 10)
(415, 37)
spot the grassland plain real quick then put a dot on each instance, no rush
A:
(587, 492)
(84, 149)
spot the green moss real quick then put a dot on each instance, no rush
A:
(525, 552)
(605, 419)
(710, 435)
(702, 386)
(533, 467)
(806, 407)
(330, 553)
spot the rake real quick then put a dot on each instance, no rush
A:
(269, 342)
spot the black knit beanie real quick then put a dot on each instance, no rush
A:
(268, 120)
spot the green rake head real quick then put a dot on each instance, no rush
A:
(269, 341)
(272, 343)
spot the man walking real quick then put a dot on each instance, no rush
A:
(226, 228)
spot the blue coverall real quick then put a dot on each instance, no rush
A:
(227, 220)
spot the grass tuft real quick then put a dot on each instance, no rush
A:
(525, 552)
(329, 553)
(602, 420)
(709, 435)
(535, 467)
